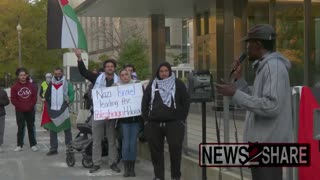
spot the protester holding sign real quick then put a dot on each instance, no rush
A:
(129, 132)
(165, 106)
(106, 126)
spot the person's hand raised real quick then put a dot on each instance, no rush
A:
(78, 54)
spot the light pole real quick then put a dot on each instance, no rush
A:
(19, 28)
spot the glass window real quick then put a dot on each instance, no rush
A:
(314, 73)
(185, 37)
(206, 23)
(258, 13)
(290, 37)
(167, 31)
(198, 21)
(288, 19)
(200, 55)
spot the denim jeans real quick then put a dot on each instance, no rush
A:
(129, 140)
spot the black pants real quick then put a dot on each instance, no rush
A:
(23, 118)
(267, 173)
(174, 132)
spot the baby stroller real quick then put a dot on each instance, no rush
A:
(82, 143)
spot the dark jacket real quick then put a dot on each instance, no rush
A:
(88, 102)
(160, 112)
(87, 74)
(24, 96)
(4, 101)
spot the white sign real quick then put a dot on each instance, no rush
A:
(117, 101)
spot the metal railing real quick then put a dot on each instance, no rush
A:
(182, 70)
(79, 90)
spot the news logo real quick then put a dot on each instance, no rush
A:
(254, 155)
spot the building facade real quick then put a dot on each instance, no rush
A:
(219, 29)
(219, 25)
(106, 35)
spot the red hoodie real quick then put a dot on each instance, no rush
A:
(23, 96)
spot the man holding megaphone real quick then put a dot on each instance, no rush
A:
(268, 103)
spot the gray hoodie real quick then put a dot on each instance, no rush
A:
(268, 104)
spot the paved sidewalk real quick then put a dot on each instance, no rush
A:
(28, 165)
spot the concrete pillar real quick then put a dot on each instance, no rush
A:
(158, 45)
(225, 53)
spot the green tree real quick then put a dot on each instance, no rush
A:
(103, 57)
(97, 64)
(35, 56)
(94, 65)
(134, 52)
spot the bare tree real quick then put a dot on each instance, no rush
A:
(113, 33)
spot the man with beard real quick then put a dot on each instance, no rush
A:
(101, 128)
(58, 96)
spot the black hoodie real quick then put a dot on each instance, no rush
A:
(160, 112)
(4, 101)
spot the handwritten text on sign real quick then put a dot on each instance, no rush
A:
(117, 101)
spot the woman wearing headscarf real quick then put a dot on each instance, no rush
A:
(129, 132)
(165, 107)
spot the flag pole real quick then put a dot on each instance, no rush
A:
(74, 42)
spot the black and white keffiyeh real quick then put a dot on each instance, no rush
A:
(166, 88)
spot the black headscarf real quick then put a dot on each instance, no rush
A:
(166, 64)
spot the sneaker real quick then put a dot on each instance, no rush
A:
(18, 148)
(1, 150)
(115, 168)
(34, 148)
(52, 152)
(94, 169)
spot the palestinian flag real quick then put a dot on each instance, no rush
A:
(47, 123)
(63, 27)
(55, 114)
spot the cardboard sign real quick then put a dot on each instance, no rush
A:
(117, 101)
